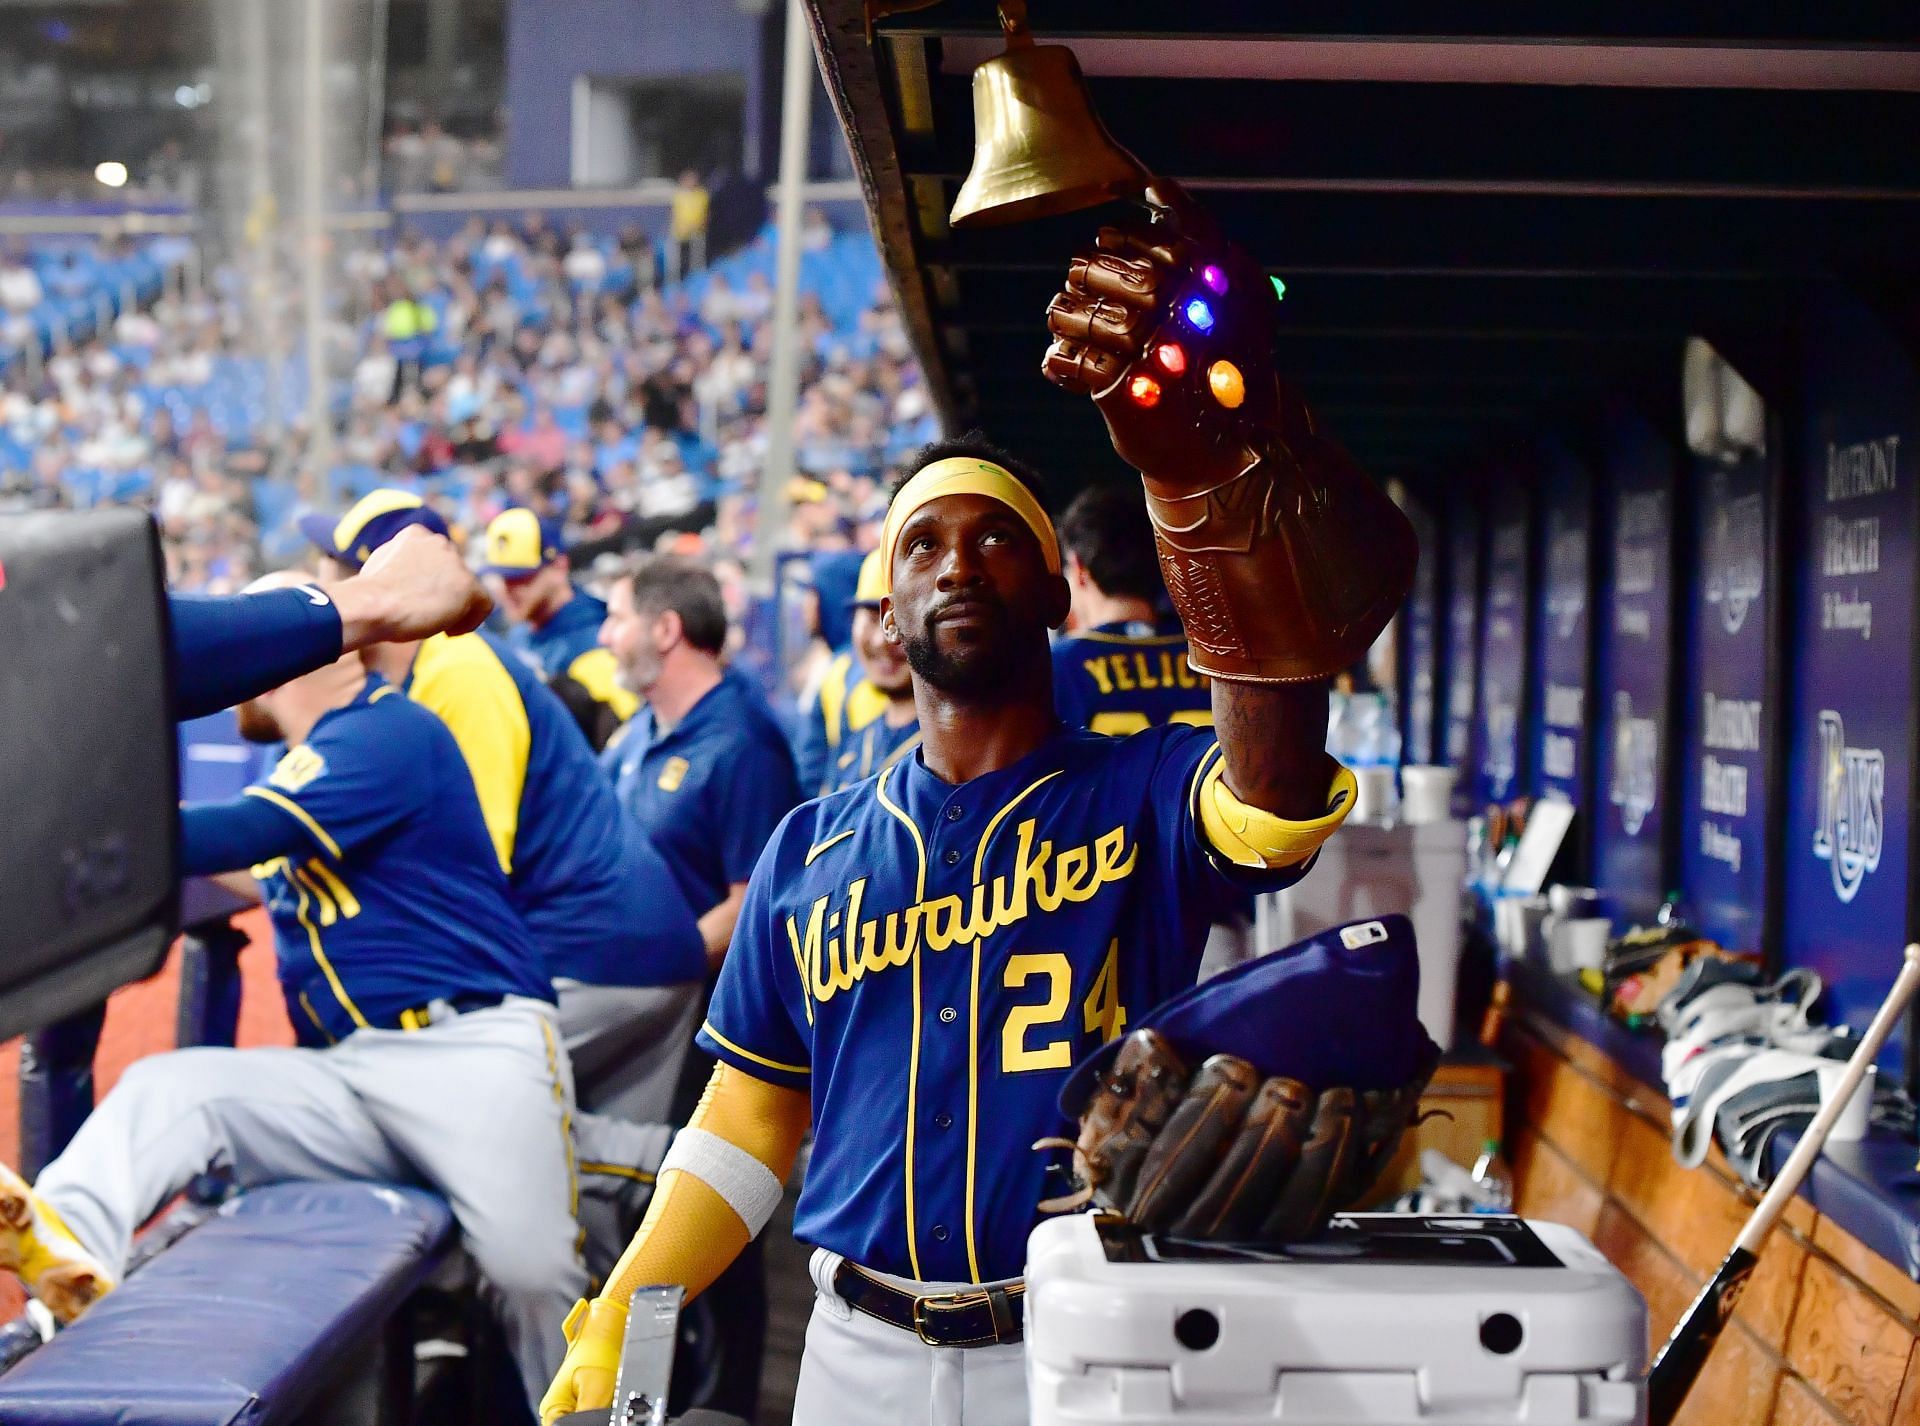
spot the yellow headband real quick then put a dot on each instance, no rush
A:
(964, 475)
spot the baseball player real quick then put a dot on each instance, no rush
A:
(1123, 667)
(864, 719)
(556, 622)
(981, 913)
(1009, 896)
(428, 1052)
(616, 935)
(229, 648)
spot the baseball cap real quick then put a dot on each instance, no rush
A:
(520, 543)
(1340, 1008)
(871, 585)
(374, 519)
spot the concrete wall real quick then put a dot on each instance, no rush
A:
(550, 43)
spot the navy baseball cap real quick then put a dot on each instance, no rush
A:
(520, 544)
(374, 519)
(1340, 1008)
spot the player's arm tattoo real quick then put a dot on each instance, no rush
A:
(1273, 738)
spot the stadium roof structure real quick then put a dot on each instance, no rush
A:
(1488, 216)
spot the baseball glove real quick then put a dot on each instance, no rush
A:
(1222, 1153)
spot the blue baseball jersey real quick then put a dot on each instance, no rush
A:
(709, 790)
(873, 749)
(1123, 677)
(929, 961)
(602, 903)
(396, 899)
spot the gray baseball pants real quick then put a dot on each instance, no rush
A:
(477, 1107)
(627, 1044)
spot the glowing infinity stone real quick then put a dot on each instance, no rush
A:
(1228, 386)
(1200, 314)
(1172, 359)
(1279, 288)
(1144, 390)
(1214, 278)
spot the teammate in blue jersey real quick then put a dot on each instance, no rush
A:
(864, 720)
(556, 623)
(428, 1050)
(703, 766)
(615, 934)
(1124, 666)
(923, 956)
(228, 648)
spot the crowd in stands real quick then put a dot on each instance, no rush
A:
(512, 364)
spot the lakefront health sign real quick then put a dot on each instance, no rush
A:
(1634, 680)
(1728, 725)
(1562, 672)
(1503, 647)
(1852, 720)
(1461, 671)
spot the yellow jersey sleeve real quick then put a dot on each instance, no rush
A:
(463, 682)
(595, 671)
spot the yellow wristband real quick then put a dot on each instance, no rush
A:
(1253, 837)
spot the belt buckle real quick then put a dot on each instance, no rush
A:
(920, 1314)
(926, 1309)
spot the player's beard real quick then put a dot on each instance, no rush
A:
(963, 668)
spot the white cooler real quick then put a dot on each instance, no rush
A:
(1391, 1320)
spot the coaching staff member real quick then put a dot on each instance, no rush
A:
(703, 766)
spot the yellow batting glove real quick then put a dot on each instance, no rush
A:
(596, 1329)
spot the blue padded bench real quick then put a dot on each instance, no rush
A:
(246, 1319)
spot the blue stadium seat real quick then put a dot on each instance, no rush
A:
(247, 1320)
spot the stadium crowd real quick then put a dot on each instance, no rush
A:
(512, 364)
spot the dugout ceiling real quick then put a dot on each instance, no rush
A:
(1487, 216)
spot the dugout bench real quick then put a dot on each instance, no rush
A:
(295, 1303)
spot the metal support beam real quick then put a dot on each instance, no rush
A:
(783, 378)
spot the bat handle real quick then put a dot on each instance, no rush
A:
(1693, 1337)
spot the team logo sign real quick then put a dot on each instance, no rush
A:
(1567, 581)
(1636, 764)
(1735, 544)
(1853, 786)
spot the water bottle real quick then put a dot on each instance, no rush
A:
(1493, 1183)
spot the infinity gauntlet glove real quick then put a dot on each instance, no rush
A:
(1283, 559)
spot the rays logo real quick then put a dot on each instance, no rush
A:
(1735, 542)
(1636, 764)
(1853, 787)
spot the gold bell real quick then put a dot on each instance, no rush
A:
(1038, 146)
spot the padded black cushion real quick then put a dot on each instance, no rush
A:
(88, 776)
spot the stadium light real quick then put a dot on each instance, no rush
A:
(112, 173)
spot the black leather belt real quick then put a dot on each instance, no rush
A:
(979, 1318)
(421, 1016)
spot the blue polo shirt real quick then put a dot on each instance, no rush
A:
(601, 901)
(710, 790)
(378, 874)
(1126, 676)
